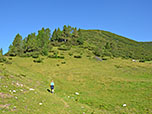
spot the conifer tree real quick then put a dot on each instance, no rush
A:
(1, 52)
(67, 31)
(30, 43)
(75, 33)
(43, 39)
(16, 47)
(54, 35)
(59, 34)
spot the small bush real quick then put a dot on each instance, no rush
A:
(39, 60)
(63, 62)
(77, 56)
(2, 59)
(9, 58)
(81, 53)
(61, 57)
(142, 60)
(35, 56)
(12, 54)
(56, 56)
(70, 53)
(104, 58)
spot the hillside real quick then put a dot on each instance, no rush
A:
(95, 72)
(107, 86)
(105, 43)
(101, 43)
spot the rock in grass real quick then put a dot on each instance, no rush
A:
(40, 103)
(124, 105)
(76, 93)
(14, 91)
(31, 89)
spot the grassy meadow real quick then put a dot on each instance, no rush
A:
(103, 86)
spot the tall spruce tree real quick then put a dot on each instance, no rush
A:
(30, 43)
(43, 39)
(58, 34)
(16, 47)
(75, 33)
(54, 35)
(67, 31)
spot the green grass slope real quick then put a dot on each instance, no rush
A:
(103, 86)
(110, 44)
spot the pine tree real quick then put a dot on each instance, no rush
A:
(1, 52)
(75, 33)
(43, 39)
(16, 47)
(58, 34)
(67, 31)
(30, 43)
(54, 35)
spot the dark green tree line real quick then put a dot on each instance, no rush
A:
(101, 43)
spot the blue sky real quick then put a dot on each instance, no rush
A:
(129, 18)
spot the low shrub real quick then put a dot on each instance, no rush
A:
(12, 54)
(77, 56)
(104, 58)
(56, 56)
(70, 53)
(61, 57)
(2, 59)
(9, 58)
(142, 60)
(63, 62)
(35, 56)
(39, 60)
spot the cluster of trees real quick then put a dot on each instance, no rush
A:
(101, 43)
(41, 44)
(37, 44)
(67, 33)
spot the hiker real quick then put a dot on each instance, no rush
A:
(52, 86)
